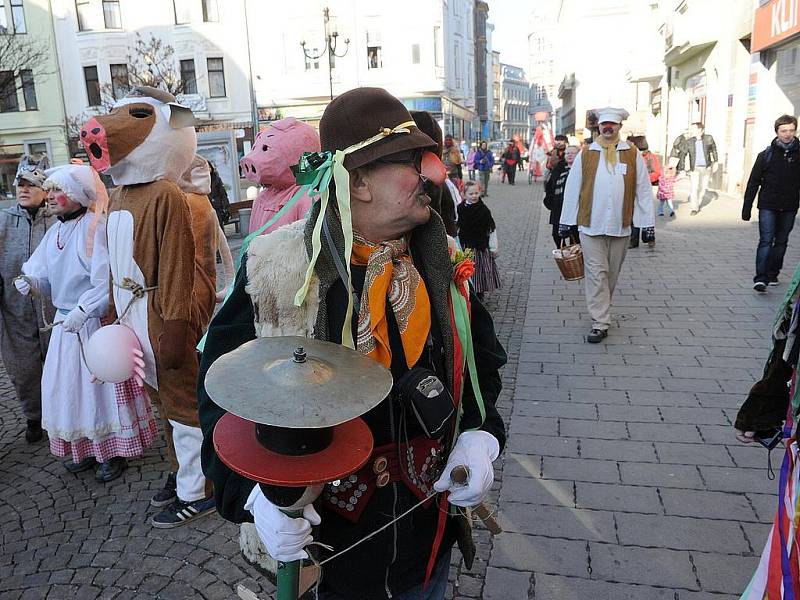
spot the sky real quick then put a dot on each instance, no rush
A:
(510, 19)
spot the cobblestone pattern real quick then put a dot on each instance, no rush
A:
(622, 477)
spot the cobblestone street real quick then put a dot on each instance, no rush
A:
(621, 477)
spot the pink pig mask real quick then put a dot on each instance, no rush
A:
(276, 149)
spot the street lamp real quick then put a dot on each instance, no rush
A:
(331, 40)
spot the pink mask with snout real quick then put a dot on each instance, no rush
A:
(276, 149)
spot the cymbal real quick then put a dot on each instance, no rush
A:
(297, 382)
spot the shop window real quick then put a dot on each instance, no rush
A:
(210, 11)
(18, 16)
(92, 86)
(188, 77)
(8, 92)
(28, 90)
(216, 78)
(111, 14)
(120, 83)
(83, 9)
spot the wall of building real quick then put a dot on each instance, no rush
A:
(26, 131)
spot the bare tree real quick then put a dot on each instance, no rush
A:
(153, 63)
(18, 54)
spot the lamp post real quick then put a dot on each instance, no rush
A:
(331, 41)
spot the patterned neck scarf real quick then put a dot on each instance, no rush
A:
(391, 276)
(609, 151)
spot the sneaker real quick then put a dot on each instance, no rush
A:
(774, 281)
(672, 213)
(693, 213)
(596, 336)
(167, 495)
(33, 431)
(110, 470)
(87, 463)
(632, 245)
(760, 286)
(178, 513)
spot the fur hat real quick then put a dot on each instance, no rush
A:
(362, 113)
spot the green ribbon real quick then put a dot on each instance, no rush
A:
(464, 332)
(250, 237)
(334, 169)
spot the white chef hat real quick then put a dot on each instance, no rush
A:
(611, 115)
(76, 181)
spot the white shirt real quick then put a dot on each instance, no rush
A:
(607, 197)
(61, 268)
(699, 153)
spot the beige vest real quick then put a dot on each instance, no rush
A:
(590, 159)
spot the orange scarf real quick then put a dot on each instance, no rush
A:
(391, 276)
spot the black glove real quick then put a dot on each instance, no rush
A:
(747, 212)
(564, 230)
(648, 235)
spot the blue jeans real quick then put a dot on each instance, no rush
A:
(437, 587)
(774, 227)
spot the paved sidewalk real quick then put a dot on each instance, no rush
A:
(622, 478)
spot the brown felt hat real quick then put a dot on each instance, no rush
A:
(361, 113)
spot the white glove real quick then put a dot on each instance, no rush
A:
(475, 450)
(22, 285)
(74, 320)
(283, 536)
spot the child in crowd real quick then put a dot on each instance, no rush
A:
(477, 231)
(666, 191)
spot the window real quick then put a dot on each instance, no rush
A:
(210, 11)
(3, 19)
(312, 58)
(216, 78)
(8, 92)
(18, 16)
(374, 58)
(82, 8)
(415, 54)
(183, 12)
(92, 85)
(188, 77)
(36, 148)
(437, 46)
(120, 83)
(111, 15)
(28, 90)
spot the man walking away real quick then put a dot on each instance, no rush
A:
(703, 155)
(608, 190)
(484, 162)
(776, 179)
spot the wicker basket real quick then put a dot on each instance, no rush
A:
(570, 261)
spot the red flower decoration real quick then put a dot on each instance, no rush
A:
(463, 271)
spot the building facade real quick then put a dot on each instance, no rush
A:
(31, 103)
(709, 72)
(430, 66)
(515, 103)
(542, 71)
(204, 58)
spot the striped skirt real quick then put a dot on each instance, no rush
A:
(486, 277)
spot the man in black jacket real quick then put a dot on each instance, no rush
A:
(776, 179)
(390, 214)
(702, 152)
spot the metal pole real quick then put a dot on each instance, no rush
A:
(288, 573)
